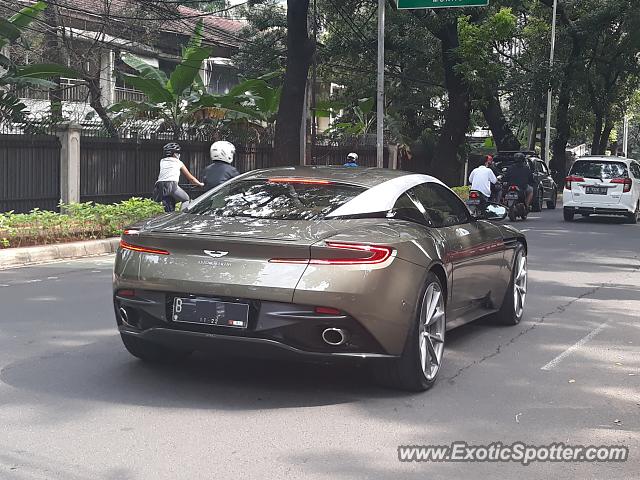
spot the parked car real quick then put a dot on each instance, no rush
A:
(319, 263)
(545, 189)
(603, 186)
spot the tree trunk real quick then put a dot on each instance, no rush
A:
(300, 50)
(500, 128)
(95, 100)
(606, 135)
(53, 53)
(597, 134)
(458, 114)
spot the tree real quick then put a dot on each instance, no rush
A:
(180, 100)
(12, 75)
(300, 51)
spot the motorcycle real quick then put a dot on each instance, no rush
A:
(515, 202)
(477, 203)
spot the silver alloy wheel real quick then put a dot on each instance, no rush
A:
(432, 331)
(520, 284)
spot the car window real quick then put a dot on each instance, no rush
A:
(412, 210)
(600, 169)
(283, 199)
(443, 208)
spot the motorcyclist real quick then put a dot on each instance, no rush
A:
(352, 160)
(520, 174)
(220, 170)
(482, 179)
(166, 189)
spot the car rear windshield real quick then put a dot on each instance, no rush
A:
(599, 169)
(277, 199)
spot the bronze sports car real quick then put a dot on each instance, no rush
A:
(319, 263)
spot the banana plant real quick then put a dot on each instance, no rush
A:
(16, 76)
(180, 100)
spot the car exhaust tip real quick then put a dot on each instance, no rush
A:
(124, 315)
(335, 336)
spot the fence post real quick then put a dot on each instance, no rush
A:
(69, 135)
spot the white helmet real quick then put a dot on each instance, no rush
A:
(353, 157)
(222, 151)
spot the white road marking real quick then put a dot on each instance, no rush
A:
(554, 363)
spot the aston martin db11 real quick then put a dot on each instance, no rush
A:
(319, 263)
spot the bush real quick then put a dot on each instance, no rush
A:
(80, 221)
(463, 192)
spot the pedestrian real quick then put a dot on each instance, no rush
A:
(220, 170)
(352, 160)
(482, 178)
(166, 190)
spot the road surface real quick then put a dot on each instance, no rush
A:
(74, 405)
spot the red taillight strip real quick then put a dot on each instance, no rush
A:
(303, 181)
(136, 248)
(378, 255)
(571, 179)
(627, 182)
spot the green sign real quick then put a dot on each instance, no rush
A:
(440, 3)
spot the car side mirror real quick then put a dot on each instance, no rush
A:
(185, 206)
(495, 212)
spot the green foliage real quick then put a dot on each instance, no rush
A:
(180, 100)
(462, 192)
(80, 221)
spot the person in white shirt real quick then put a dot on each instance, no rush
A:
(483, 177)
(166, 189)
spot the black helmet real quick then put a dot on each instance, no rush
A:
(171, 148)
(520, 158)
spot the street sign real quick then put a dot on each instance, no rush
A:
(440, 3)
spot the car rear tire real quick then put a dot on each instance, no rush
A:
(551, 204)
(152, 352)
(568, 215)
(512, 308)
(418, 367)
(536, 206)
(633, 217)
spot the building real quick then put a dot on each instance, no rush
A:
(95, 34)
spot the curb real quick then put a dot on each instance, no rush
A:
(19, 257)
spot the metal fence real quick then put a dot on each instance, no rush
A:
(112, 170)
(29, 172)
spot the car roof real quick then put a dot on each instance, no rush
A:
(364, 177)
(605, 158)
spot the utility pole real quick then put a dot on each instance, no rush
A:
(380, 95)
(314, 80)
(625, 136)
(547, 142)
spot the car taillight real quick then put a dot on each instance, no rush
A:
(474, 195)
(377, 254)
(570, 179)
(513, 188)
(627, 182)
(327, 311)
(137, 248)
(126, 293)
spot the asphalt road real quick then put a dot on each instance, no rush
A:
(74, 405)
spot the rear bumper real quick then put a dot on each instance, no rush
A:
(274, 330)
(598, 210)
(230, 345)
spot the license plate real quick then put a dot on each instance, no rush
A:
(512, 196)
(206, 311)
(473, 202)
(597, 190)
